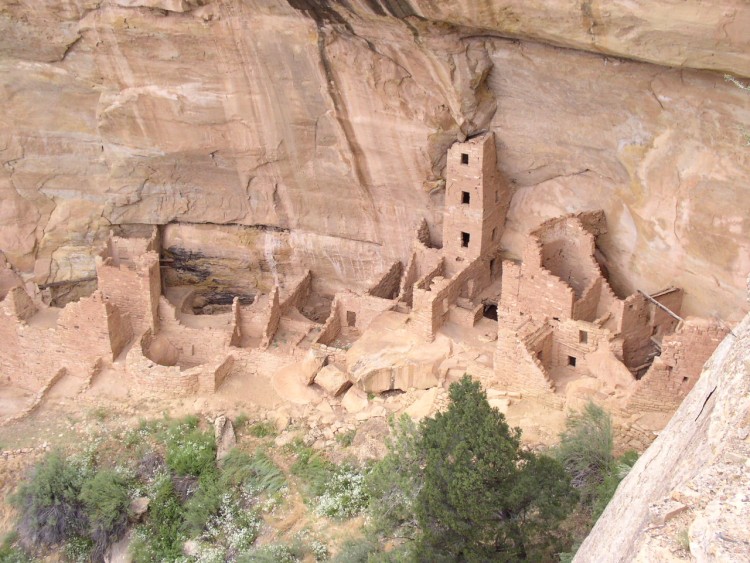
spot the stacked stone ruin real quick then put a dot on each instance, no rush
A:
(558, 321)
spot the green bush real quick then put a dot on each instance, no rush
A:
(344, 494)
(394, 482)
(50, 507)
(161, 537)
(241, 421)
(356, 551)
(204, 503)
(105, 498)
(484, 498)
(585, 451)
(191, 452)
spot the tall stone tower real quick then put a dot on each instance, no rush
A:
(476, 200)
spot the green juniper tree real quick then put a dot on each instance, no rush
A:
(484, 498)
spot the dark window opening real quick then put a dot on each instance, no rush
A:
(351, 318)
(571, 361)
(465, 239)
(555, 318)
(490, 311)
(684, 379)
(494, 234)
(540, 355)
(583, 337)
(464, 158)
(465, 198)
(654, 331)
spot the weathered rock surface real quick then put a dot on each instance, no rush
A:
(225, 437)
(693, 479)
(333, 380)
(324, 126)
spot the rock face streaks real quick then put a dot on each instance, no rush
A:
(331, 120)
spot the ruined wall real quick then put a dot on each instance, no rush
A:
(86, 324)
(134, 287)
(567, 252)
(388, 285)
(432, 302)
(635, 330)
(196, 345)
(331, 328)
(154, 378)
(273, 314)
(531, 289)
(519, 370)
(299, 293)
(675, 372)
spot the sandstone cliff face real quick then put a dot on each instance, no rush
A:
(328, 122)
(693, 481)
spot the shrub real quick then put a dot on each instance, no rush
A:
(49, 503)
(314, 469)
(10, 552)
(585, 450)
(230, 531)
(394, 482)
(274, 553)
(79, 550)
(204, 503)
(105, 498)
(192, 452)
(345, 494)
(356, 551)
(257, 472)
(161, 537)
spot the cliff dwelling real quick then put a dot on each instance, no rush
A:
(544, 328)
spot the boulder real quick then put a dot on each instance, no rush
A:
(138, 507)
(333, 380)
(354, 400)
(310, 365)
(225, 437)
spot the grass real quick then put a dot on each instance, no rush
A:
(241, 421)
(262, 430)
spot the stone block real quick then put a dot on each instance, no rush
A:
(354, 401)
(333, 380)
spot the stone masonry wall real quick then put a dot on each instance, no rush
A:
(388, 285)
(274, 318)
(674, 373)
(431, 306)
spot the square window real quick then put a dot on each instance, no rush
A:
(465, 239)
(684, 379)
(465, 197)
(572, 361)
(583, 337)
(464, 158)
